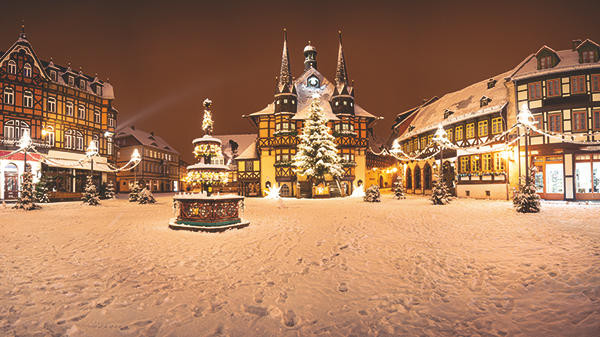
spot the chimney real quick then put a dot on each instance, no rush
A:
(133, 127)
(575, 44)
(152, 133)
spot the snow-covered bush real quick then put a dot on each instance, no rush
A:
(26, 199)
(372, 194)
(399, 189)
(146, 197)
(440, 194)
(42, 190)
(90, 195)
(109, 191)
(135, 192)
(526, 200)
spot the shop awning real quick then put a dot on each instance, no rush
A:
(75, 161)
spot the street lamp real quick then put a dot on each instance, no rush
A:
(91, 151)
(24, 144)
(525, 118)
(440, 137)
(136, 157)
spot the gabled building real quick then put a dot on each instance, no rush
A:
(280, 122)
(562, 91)
(160, 168)
(63, 110)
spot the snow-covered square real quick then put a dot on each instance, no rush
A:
(335, 267)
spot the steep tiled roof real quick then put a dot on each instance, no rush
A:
(146, 138)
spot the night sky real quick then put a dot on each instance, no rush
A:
(165, 57)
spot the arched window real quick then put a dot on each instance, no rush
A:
(417, 177)
(12, 67)
(97, 116)
(409, 183)
(109, 146)
(69, 108)
(82, 84)
(14, 129)
(79, 140)
(28, 99)
(427, 176)
(69, 139)
(284, 191)
(27, 70)
(49, 134)
(81, 111)
(9, 96)
(51, 104)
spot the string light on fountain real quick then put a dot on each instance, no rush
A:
(200, 210)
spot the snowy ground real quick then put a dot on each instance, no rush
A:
(303, 268)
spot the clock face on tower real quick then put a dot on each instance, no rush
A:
(313, 81)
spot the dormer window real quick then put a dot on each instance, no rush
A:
(491, 83)
(546, 62)
(588, 56)
(484, 101)
(99, 90)
(12, 67)
(447, 113)
(53, 75)
(27, 70)
(71, 81)
(82, 84)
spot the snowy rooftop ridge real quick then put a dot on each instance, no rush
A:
(568, 61)
(145, 138)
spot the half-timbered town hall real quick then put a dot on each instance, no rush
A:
(270, 164)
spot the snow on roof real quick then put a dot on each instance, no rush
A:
(243, 140)
(249, 152)
(146, 138)
(464, 104)
(569, 61)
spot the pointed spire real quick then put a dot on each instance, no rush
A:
(341, 73)
(22, 34)
(285, 75)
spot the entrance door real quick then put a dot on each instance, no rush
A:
(549, 178)
(11, 182)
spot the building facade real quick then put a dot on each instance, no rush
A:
(160, 168)
(280, 122)
(63, 110)
(487, 156)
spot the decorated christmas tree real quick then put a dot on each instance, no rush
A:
(317, 154)
(135, 192)
(109, 191)
(90, 195)
(26, 199)
(372, 194)
(42, 189)
(440, 194)
(146, 197)
(399, 189)
(526, 200)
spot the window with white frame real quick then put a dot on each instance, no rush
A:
(14, 129)
(109, 146)
(53, 75)
(111, 122)
(71, 81)
(97, 116)
(12, 67)
(49, 130)
(99, 90)
(69, 108)
(9, 96)
(28, 99)
(81, 111)
(79, 140)
(51, 104)
(82, 84)
(69, 139)
(27, 70)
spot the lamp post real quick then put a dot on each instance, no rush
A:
(91, 151)
(440, 137)
(24, 144)
(136, 157)
(525, 118)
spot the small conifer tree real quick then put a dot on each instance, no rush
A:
(399, 189)
(135, 192)
(90, 195)
(26, 199)
(526, 200)
(372, 194)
